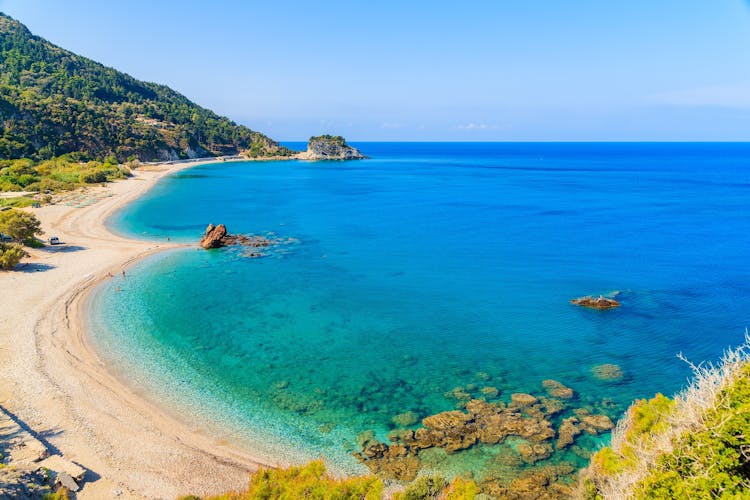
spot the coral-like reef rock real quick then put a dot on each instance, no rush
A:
(329, 147)
(217, 236)
(594, 303)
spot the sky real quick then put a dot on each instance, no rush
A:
(494, 70)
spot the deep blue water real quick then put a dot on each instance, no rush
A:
(421, 267)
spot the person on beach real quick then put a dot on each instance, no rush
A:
(123, 273)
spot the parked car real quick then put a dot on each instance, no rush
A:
(55, 241)
(5, 237)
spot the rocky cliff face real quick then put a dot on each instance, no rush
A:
(327, 147)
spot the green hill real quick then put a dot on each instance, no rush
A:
(54, 102)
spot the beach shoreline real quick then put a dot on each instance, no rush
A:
(58, 385)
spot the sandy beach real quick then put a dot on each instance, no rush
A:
(55, 383)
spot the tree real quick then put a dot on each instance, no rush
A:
(10, 255)
(19, 225)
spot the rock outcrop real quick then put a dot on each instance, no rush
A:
(214, 236)
(328, 147)
(596, 303)
(217, 236)
(452, 431)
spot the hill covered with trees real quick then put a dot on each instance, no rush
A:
(54, 102)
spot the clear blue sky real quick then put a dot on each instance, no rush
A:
(494, 70)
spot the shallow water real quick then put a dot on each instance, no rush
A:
(429, 267)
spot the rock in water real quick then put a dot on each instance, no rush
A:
(214, 237)
(328, 147)
(594, 303)
(607, 372)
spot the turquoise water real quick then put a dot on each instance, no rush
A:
(417, 270)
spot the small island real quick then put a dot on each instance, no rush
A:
(330, 147)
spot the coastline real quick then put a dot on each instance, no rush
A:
(56, 383)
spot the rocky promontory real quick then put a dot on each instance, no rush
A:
(330, 147)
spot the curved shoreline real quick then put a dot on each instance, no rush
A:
(57, 383)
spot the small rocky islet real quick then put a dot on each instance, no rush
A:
(600, 303)
(329, 147)
(216, 236)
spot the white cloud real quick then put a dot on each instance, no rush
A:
(723, 96)
(476, 126)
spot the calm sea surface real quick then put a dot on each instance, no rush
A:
(426, 268)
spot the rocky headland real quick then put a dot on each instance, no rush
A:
(330, 147)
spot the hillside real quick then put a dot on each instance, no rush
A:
(54, 102)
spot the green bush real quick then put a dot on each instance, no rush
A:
(19, 225)
(93, 176)
(423, 488)
(308, 481)
(10, 255)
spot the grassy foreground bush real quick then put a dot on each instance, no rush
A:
(695, 446)
(311, 481)
(307, 481)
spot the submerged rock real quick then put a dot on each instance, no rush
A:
(406, 419)
(596, 424)
(567, 432)
(607, 372)
(557, 389)
(328, 147)
(452, 431)
(596, 303)
(490, 392)
(533, 452)
(521, 399)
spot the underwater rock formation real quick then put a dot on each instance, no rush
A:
(482, 422)
(607, 372)
(594, 303)
(567, 432)
(557, 389)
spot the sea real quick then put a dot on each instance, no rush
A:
(429, 270)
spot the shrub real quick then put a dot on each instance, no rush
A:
(10, 255)
(423, 488)
(93, 176)
(308, 481)
(461, 489)
(19, 225)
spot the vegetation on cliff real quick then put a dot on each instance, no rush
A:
(696, 445)
(54, 102)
